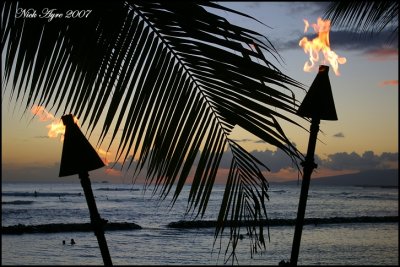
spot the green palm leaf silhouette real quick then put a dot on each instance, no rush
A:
(176, 79)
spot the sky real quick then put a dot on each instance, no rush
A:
(365, 136)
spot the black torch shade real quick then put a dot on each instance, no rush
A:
(78, 155)
(318, 103)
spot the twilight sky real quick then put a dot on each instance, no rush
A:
(365, 94)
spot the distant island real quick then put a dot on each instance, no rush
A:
(371, 178)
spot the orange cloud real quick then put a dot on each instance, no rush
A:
(222, 176)
(113, 172)
(283, 175)
(389, 83)
(292, 174)
(103, 154)
(385, 54)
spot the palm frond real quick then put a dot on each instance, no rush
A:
(365, 17)
(173, 76)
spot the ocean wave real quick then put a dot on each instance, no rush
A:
(40, 194)
(285, 222)
(351, 195)
(117, 189)
(65, 227)
(366, 197)
(17, 202)
(114, 226)
(277, 191)
(117, 200)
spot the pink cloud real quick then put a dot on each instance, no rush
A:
(113, 172)
(389, 83)
(292, 174)
(385, 54)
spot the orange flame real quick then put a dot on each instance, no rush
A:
(56, 127)
(320, 44)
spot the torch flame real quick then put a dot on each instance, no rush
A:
(320, 44)
(56, 126)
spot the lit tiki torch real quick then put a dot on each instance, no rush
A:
(317, 105)
(79, 157)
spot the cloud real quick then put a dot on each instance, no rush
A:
(253, 4)
(278, 161)
(113, 172)
(119, 166)
(280, 165)
(338, 135)
(349, 40)
(30, 172)
(275, 160)
(389, 83)
(353, 161)
(377, 48)
(315, 9)
(384, 54)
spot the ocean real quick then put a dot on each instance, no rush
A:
(355, 242)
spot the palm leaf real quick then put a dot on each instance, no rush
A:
(365, 17)
(174, 77)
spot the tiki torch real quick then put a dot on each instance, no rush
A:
(318, 105)
(79, 157)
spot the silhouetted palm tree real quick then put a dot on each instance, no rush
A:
(365, 17)
(174, 76)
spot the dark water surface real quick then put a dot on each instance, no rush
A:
(157, 244)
